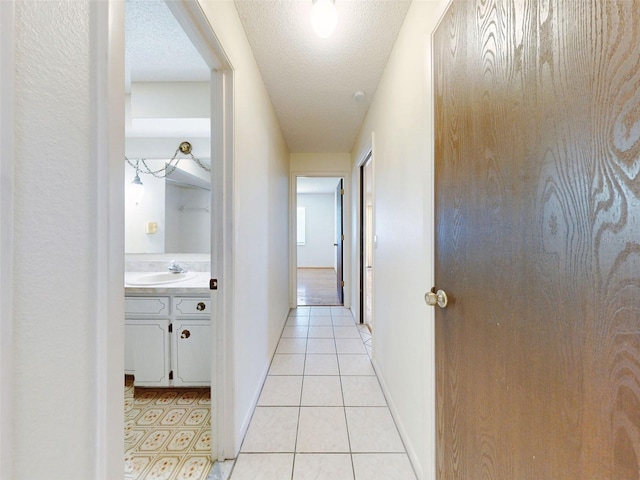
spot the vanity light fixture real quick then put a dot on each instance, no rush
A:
(184, 148)
(137, 188)
(324, 17)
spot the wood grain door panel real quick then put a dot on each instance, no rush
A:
(537, 111)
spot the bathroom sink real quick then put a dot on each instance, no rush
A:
(159, 278)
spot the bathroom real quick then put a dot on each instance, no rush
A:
(168, 306)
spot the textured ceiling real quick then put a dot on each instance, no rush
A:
(311, 80)
(156, 47)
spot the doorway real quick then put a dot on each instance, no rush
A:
(366, 242)
(319, 240)
(217, 75)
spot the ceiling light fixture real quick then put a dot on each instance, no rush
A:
(324, 17)
(137, 188)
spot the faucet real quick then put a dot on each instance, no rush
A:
(175, 267)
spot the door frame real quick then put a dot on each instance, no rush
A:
(293, 244)
(192, 19)
(339, 238)
(367, 157)
(6, 235)
(429, 223)
(109, 21)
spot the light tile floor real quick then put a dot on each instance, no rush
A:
(322, 414)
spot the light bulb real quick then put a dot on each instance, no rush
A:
(324, 17)
(136, 189)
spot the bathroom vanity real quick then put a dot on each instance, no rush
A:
(168, 331)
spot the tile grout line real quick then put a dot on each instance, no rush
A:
(304, 368)
(304, 382)
(344, 409)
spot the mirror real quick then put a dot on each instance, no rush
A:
(173, 213)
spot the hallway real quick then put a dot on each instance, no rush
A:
(321, 413)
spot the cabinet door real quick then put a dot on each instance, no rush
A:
(192, 353)
(129, 349)
(147, 351)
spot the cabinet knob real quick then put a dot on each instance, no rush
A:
(201, 306)
(185, 334)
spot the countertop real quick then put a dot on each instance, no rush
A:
(198, 285)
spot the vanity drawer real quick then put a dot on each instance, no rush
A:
(146, 305)
(192, 306)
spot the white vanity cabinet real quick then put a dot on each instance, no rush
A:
(191, 359)
(147, 354)
(168, 340)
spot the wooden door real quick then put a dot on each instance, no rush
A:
(537, 111)
(339, 242)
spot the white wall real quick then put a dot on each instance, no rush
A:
(150, 209)
(188, 229)
(161, 115)
(64, 235)
(401, 118)
(261, 205)
(7, 99)
(320, 163)
(320, 225)
(61, 243)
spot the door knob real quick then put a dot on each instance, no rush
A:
(438, 298)
(185, 334)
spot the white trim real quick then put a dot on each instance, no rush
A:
(360, 267)
(431, 457)
(411, 453)
(226, 388)
(6, 235)
(367, 152)
(194, 22)
(346, 221)
(109, 27)
(108, 31)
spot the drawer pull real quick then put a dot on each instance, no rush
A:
(201, 306)
(185, 334)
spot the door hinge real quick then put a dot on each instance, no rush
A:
(342, 283)
(171, 328)
(171, 375)
(342, 191)
(213, 284)
(342, 237)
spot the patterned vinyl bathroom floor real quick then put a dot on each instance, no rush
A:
(167, 433)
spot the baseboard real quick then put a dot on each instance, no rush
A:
(256, 396)
(411, 453)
